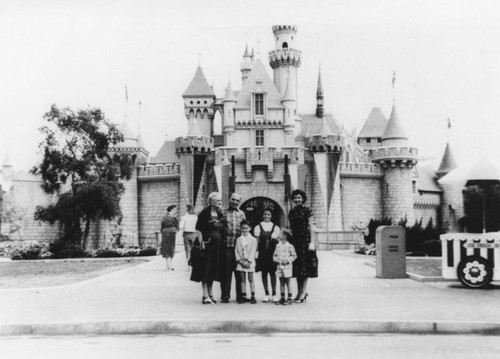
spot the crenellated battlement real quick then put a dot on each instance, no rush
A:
(285, 57)
(154, 171)
(329, 143)
(361, 168)
(192, 144)
(396, 156)
(281, 29)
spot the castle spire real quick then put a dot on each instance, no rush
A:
(448, 162)
(319, 96)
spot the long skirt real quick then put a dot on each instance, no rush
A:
(167, 248)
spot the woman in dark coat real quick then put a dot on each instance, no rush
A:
(211, 224)
(169, 228)
(301, 223)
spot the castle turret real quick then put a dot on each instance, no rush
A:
(199, 100)
(319, 96)
(285, 59)
(452, 203)
(289, 119)
(246, 65)
(229, 103)
(397, 159)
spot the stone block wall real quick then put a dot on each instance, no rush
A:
(397, 194)
(361, 200)
(23, 197)
(154, 198)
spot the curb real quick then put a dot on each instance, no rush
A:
(255, 327)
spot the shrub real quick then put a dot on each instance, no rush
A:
(433, 248)
(63, 249)
(17, 250)
(372, 228)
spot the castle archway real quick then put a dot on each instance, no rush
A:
(254, 208)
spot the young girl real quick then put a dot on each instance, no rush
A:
(284, 255)
(267, 233)
(245, 253)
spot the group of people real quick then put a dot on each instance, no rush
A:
(223, 245)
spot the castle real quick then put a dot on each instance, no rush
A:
(263, 150)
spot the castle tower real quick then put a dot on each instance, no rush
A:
(199, 101)
(289, 121)
(319, 97)
(285, 59)
(397, 158)
(326, 148)
(452, 203)
(246, 65)
(130, 146)
(229, 102)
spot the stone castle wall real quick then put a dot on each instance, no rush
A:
(397, 195)
(21, 201)
(361, 201)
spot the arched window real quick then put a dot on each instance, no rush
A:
(285, 45)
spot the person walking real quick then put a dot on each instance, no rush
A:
(284, 255)
(267, 234)
(169, 228)
(211, 225)
(301, 223)
(246, 253)
(188, 227)
(233, 216)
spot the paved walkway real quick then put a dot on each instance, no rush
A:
(345, 298)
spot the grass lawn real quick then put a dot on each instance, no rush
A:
(44, 273)
(426, 266)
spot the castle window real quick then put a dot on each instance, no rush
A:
(379, 140)
(285, 45)
(259, 137)
(414, 186)
(259, 104)
(368, 140)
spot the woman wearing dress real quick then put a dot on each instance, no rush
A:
(211, 224)
(169, 228)
(301, 224)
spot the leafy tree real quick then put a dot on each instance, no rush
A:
(76, 165)
(473, 208)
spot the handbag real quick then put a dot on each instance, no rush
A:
(198, 254)
(312, 264)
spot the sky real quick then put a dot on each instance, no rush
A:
(80, 54)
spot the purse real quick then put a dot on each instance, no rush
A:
(198, 254)
(312, 264)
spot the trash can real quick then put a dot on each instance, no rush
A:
(391, 252)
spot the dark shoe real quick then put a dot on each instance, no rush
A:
(253, 301)
(282, 301)
(289, 301)
(241, 301)
(301, 300)
(224, 300)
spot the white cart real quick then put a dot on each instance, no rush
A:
(472, 258)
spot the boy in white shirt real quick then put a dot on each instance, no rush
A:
(284, 255)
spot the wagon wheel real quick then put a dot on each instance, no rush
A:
(475, 272)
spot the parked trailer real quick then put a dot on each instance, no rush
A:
(472, 258)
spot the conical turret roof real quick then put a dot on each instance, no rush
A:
(394, 129)
(319, 90)
(199, 86)
(229, 96)
(375, 124)
(448, 162)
